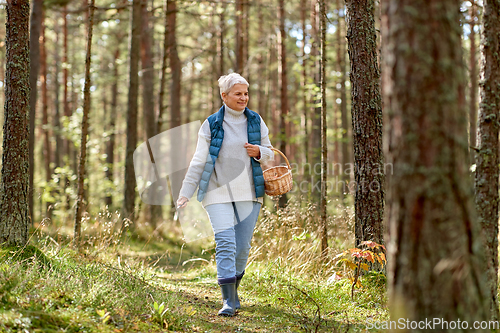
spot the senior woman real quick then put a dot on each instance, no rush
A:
(232, 143)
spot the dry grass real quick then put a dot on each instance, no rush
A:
(290, 237)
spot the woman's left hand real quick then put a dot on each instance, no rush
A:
(252, 150)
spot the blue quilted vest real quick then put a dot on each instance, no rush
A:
(217, 136)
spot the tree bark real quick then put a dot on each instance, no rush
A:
(175, 66)
(80, 202)
(473, 83)
(110, 146)
(435, 248)
(35, 28)
(164, 64)
(57, 113)
(367, 121)
(68, 149)
(324, 147)
(304, 80)
(175, 90)
(14, 198)
(47, 151)
(284, 126)
(486, 182)
(132, 105)
(316, 102)
(153, 212)
(344, 120)
(240, 33)
(220, 51)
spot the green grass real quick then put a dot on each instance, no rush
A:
(53, 288)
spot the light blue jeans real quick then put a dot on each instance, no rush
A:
(233, 224)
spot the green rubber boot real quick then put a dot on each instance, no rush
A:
(238, 280)
(228, 298)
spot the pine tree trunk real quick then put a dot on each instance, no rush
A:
(154, 211)
(132, 105)
(175, 91)
(324, 147)
(57, 113)
(14, 202)
(304, 81)
(473, 84)
(67, 111)
(487, 159)
(163, 79)
(80, 203)
(110, 146)
(35, 28)
(220, 50)
(284, 132)
(175, 67)
(47, 151)
(240, 47)
(436, 263)
(316, 112)
(367, 121)
(346, 156)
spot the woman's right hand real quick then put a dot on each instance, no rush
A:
(182, 202)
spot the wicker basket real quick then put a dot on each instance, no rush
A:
(278, 179)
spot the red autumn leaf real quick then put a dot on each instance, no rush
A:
(368, 255)
(370, 244)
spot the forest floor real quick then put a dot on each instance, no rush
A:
(161, 285)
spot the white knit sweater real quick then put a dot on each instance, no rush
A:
(232, 179)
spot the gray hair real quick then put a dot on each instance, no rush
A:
(227, 82)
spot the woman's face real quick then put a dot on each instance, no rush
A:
(237, 97)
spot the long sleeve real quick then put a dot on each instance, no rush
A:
(266, 154)
(193, 174)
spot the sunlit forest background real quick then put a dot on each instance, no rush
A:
(154, 66)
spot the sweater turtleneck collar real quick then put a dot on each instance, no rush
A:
(233, 115)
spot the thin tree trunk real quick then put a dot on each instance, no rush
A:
(57, 114)
(473, 83)
(346, 157)
(132, 105)
(80, 202)
(14, 197)
(261, 79)
(175, 67)
(240, 47)
(164, 64)
(47, 151)
(67, 111)
(487, 159)
(284, 132)
(246, 26)
(213, 92)
(110, 147)
(324, 147)
(367, 121)
(316, 110)
(222, 69)
(435, 250)
(175, 90)
(35, 28)
(153, 212)
(303, 83)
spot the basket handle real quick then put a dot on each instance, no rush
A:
(286, 159)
